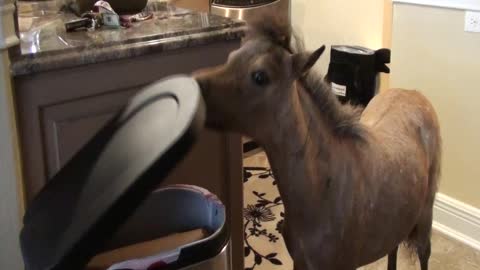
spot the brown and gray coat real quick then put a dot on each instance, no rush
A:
(355, 184)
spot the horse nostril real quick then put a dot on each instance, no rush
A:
(203, 83)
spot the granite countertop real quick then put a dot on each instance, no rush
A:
(45, 45)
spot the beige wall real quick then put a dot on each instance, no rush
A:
(433, 54)
(10, 257)
(345, 22)
(10, 208)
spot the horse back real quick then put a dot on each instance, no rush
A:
(406, 115)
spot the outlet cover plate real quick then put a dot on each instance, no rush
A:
(472, 21)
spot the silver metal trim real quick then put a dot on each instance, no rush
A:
(219, 262)
(279, 7)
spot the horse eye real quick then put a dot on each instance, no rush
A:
(260, 78)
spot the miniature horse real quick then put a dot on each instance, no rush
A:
(355, 183)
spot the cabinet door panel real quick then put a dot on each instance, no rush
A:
(68, 126)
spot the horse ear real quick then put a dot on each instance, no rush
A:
(304, 61)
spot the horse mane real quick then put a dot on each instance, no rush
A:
(272, 28)
(344, 119)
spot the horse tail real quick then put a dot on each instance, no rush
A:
(434, 171)
(419, 238)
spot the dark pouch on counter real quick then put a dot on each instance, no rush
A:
(120, 6)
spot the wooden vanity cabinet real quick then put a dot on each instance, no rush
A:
(59, 110)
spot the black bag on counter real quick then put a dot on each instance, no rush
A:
(353, 72)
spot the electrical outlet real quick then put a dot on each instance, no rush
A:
(472, 21)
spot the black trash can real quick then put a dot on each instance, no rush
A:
(353, 72)
(106, 200)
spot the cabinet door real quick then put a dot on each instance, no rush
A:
(68, 126)
(59, 111)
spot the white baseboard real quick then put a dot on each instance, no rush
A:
(457, 220)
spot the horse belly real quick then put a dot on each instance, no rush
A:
(390, 219)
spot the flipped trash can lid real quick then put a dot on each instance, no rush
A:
(88, 200)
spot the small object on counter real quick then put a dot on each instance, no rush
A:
(92, 15)
(127, 20)
(104, 15)
(96, 20)
(120, 6)
(103, 7)
(109, 17)
(111, 20)
(77, 24)
(143, 16)
(89, 21)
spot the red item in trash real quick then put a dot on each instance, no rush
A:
(157, 265)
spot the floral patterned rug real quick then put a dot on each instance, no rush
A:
(263, 217)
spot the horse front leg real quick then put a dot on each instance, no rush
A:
(288, 244)
(392, 259)
(287, 238)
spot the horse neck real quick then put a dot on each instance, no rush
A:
(298, 149)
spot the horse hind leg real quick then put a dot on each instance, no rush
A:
(424, 252)
(421, 235)
(419, 239)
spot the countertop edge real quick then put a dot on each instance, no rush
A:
(26, 65)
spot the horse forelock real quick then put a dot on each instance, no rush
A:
(272, 28)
